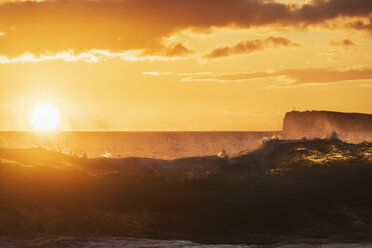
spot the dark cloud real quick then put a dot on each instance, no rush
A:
(346, 44)
(322, 10)
(360, 25)
(173, 50)
(249, 46)
(293, 77)
(141, 24)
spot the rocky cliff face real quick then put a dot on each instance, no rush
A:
(324, 122)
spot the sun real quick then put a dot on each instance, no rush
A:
(44, 116)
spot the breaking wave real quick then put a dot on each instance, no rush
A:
(313, 188)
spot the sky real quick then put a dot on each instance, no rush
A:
(183, 65)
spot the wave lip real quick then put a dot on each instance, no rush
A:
(274, 154)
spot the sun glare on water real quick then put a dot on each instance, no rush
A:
(44, 116)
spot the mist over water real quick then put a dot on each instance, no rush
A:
(160, 145)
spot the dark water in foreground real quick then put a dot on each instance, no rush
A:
(285, 188)
(67, 242)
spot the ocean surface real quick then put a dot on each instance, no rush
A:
(69, 242)
(160, 145)
(301, 169)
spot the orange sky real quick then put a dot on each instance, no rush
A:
(183, 64)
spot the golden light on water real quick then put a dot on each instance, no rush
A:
(44, 116)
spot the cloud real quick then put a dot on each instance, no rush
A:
(249, 46)
(232, 77)
(346, 44)
(178, 50)
(172, 50)
(92, 56)
(360, 25)
(293, 77)
(120, 25)
(326, 75)
(155, 73)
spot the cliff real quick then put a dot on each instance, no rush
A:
(324, 122)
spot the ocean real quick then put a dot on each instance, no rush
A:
(116, 242)
(303, 193)
(159, 145)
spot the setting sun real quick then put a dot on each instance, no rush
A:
(44, 116)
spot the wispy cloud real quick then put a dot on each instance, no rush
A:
(249, 46)
(230, 77)
(155, 73)
(292, 77)
(346, 44)
(171, 50)
(92, 56)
